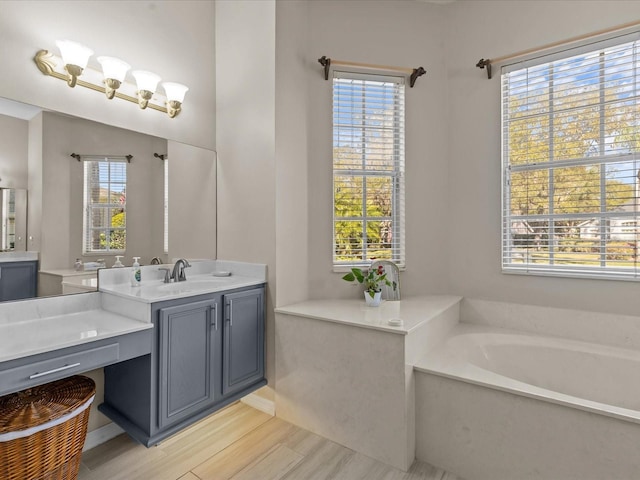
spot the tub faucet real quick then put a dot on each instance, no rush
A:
(178, 270)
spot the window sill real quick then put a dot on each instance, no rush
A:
(625, 277)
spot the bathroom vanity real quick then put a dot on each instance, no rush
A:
(172, 353)
(63, 281)
(18, 275)
(47, 339)
(207, 351)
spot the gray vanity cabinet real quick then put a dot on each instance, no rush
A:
(18, 280)
(208, 352)
(243, 340)
(188, 342)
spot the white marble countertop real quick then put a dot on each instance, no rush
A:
(90, 283)
(68, 272)
(412, 311)
(14, 256)
(157, 291)
(201, 279)
(47, 324)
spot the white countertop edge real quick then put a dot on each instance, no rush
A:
(398, 330)
(70, 273)
(132, 327)
(354, 306)
(135, 293)
(14, 256)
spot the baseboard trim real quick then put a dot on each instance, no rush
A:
(260, 403)
(101, 435)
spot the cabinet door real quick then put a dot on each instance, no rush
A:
(187, 338)
(243, 348)
(18, 280)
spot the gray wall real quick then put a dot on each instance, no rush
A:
(488, 29)
(192, 202)
(404, 34)
(173, 38)
(245, 135)
(62, 189)
(13, 154)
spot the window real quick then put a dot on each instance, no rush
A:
(166, 205)
(8, 227)
(105, 201)
(368, 169)
(571, 173)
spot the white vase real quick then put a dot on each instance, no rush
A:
(372, 301)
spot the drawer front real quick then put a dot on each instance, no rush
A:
(37, 373)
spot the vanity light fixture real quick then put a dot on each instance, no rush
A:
(75, 57)
(147, 83)
(72, 63)
(114, 71)
(175, 96)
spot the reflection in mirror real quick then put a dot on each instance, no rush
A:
(13, 216)
(36, 158)
(50, 217)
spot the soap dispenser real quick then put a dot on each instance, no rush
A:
(136, 273)
(118, 263)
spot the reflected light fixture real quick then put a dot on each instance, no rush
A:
(75, 57)
(72, 63)
(114, 71)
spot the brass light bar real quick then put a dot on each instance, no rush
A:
(46, 64)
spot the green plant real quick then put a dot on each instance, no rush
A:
(373, 279)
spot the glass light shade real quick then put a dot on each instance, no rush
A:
(175, 91)
(114, 68)
(146, 80)
(74, 53)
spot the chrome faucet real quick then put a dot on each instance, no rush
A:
(156, 261)
(167, 274)
(178, 270)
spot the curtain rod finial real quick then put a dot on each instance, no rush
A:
(326, 63)
(485, 63)
(417, 72)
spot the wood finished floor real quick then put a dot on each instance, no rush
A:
(241, 443)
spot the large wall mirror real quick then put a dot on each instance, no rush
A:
(116, 178)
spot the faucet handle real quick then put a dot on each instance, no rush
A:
(167, 276)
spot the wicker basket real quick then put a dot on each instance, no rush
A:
(42, 430)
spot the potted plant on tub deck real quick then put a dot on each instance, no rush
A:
(373, 280)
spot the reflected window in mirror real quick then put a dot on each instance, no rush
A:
(8, 219)
(105, 201)
(166, 205)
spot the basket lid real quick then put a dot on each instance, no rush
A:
(38, 405)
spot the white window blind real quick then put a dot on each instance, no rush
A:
(368, 169)
(8, 209)
(571, 172)
(105, 202)
(166, 205)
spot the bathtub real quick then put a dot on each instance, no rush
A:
(501, 404)
(588, 376)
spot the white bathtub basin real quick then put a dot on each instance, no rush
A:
(588, 376)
